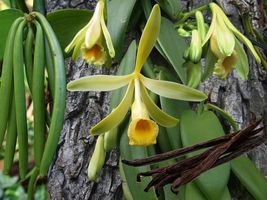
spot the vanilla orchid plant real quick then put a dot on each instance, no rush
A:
(142, 130)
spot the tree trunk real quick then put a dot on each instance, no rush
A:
(67, 177)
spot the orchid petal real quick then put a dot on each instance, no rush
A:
(94, 30)
(172, 90)
(78, 37)
(117, 115)
(111, 50)
(211, 29)
(99, 83)
(148, 38)
(155, 112)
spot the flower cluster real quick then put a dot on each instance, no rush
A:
(142, 130)
(224, 44)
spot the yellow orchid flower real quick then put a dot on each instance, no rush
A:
(225, 45)
(93, 40)
(142, 130)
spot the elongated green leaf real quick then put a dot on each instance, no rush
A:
(129, 152)
(148, 38)
(198, 128)
(155, 112)
(174, 108)
(66, 23)
(211, 59)
(250, 177)
(171, 7)
(7, 17)
(118, 16)
(118, 114)
(173, 47)
(242, 66)
(99, 83)
(192, 192)
(173, 90)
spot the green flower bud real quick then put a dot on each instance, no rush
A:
(98, 159)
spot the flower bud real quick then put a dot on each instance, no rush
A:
(97, 160)
(195, 49)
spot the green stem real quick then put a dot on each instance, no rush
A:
(39, 6)
(185, 16)
(249, 30)
(224, 114)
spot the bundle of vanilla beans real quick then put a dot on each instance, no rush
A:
(218, 151)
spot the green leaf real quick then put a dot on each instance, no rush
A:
(132, 152)
(242, 66)
(250, 177)
(66, 23)
(173, 47)
(193, 192)
(197, 128)
(211, 60)
(118, 16)
(7, 17)
(171, 7)
(174, 108)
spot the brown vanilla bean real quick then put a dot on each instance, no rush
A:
(235, 149)
(185, 150)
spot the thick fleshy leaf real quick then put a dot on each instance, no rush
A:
(118, 16)
(118, 114)
(62, 20)
(99, 83)
(242, 66)
(172, 7)
(197, 128)
(173, 90)
(238, 34)
(174, 108)
(211, 60)
(148, 38)
(250, 177)
(172, 46)
(155, 112)
(7, 17)
(192, 192)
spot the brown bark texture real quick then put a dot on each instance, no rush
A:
(244, 100)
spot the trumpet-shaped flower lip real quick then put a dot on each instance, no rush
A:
(96, 55)
(224, 66)
(142, 132)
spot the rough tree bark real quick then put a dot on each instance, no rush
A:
(68, 175)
